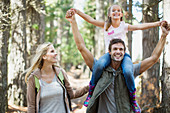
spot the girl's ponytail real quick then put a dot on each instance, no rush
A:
(109, 20)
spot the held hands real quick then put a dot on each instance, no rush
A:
(70, 15)
(165, 28)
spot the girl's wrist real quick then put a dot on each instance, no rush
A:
(77, 11)
(158, 24)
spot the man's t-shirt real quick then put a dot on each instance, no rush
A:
(106, 100)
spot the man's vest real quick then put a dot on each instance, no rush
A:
(121, 92)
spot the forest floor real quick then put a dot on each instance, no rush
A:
(77, 80)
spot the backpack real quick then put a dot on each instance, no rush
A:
(61, 78)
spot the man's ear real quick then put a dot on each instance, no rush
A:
(109, 52)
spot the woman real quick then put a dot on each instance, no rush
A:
(48, 88)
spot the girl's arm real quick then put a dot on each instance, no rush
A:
(88, 18)
(143, 26)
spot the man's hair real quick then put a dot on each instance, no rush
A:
(115, 41)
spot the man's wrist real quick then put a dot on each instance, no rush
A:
(73, 21)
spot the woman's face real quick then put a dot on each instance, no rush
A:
(51, 55)
(116, 12)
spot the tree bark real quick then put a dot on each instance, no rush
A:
(165, 79)
(18, 54)
(150, 79)
(128, 19)
(99, 35)
(28, 28)
(4, 40)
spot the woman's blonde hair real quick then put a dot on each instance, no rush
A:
(37, 61)
(109, 20)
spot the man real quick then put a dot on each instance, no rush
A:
(111, 93)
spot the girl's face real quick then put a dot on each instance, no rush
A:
(116, 12)
(51, 55)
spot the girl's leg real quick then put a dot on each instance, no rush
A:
(127, 67)
(102, 63)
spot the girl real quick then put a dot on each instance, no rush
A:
(115, 27)
(48, 89)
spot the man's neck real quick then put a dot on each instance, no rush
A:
(115, 65)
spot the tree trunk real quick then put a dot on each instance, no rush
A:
(150, 81)
(165, 80)
(99, 35)
(111, 2)
(4, 38)
(18, 54)
(28, 28)
(58, 39)
(36, 22)
(128, 19)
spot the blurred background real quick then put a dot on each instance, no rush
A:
(24, 24)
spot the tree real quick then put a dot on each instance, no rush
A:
(127, 7)
(27, 30)
(4, 37)
(17, 56)
(165, 81)
(150, 79)
(99, 35)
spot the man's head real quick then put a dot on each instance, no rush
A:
(117, 49)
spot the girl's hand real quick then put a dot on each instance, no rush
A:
(165, 28)
(163, 21)
(75, 10)
(70, 15)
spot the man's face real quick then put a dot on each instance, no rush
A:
(117, 52)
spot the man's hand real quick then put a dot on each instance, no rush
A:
(70, 15)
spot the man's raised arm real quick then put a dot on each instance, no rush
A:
(87, 56)
(149, 62)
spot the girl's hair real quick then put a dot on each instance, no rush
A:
(38, 61)
(109, 20)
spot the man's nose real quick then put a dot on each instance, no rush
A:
(118, 51)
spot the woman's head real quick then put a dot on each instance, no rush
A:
(114, 12)
(38, 59)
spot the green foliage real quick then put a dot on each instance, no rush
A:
(70, 53)
(88, 30)
(55, 11)
(35, 26)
